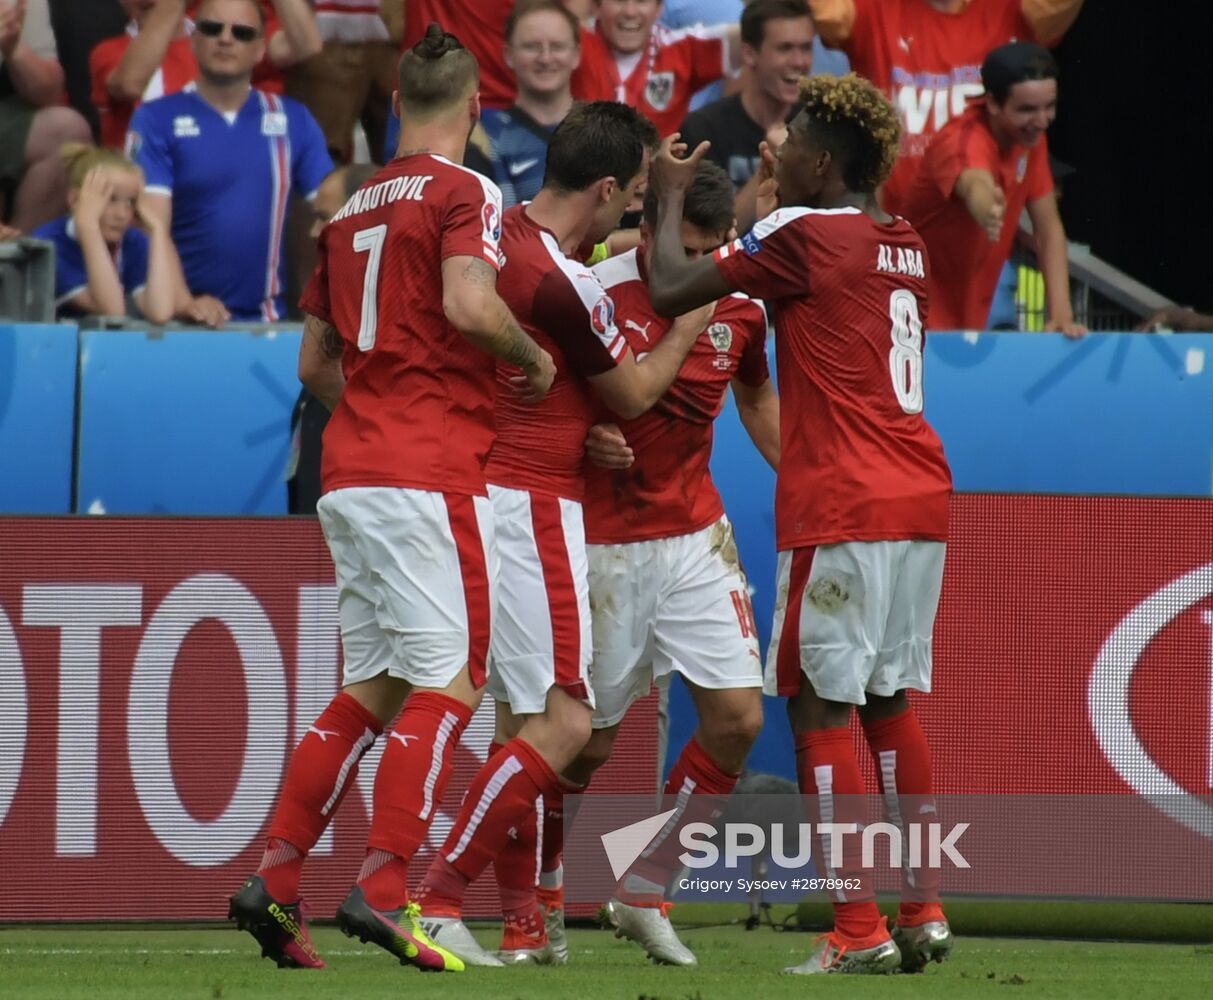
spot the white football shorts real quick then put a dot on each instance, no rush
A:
(416, 581)
(669, 604)
(855, 618)
(541, 635)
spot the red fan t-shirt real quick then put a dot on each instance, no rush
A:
(674, 65)
(928, 61)
(965, 265)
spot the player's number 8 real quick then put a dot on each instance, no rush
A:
(905, 359)
(370, 240)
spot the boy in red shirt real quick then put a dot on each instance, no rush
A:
(973, 184)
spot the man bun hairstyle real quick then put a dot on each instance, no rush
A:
(596, 140)
(436, 73)
(1016, 62)
(857, 124)
(708, 204)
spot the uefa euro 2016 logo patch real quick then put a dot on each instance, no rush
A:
(492, 221)
(602, 316)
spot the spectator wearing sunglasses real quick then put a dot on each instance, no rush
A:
(222, 161)
(153, 57)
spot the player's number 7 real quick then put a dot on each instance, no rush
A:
(370, 240)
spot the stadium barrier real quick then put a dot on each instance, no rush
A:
(183, 421)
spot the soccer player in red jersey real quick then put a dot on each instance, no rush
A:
(927, 54)
(629, 57)
(403, 323)
(977, 177)
(861, 505)
(542, 638)
(659, 535)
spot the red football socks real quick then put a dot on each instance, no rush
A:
(502, 798)
(695, 789)
(903, 764)
(828, 769)
(412, 776)
(321, 771)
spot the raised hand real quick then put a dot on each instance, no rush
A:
(94, 197)
(671, 170)
(766, 198)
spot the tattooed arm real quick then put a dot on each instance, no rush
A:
(320, 361)
(472, 305)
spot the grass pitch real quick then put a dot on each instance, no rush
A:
(60, 963)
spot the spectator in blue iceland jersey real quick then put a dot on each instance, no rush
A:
(542, 47)
(222, 161)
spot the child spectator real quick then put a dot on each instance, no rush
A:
(101, 260)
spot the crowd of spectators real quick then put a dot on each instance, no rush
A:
(230, 110)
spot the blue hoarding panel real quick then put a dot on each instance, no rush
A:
(1113, 413)
(185, 422)
(37, 418)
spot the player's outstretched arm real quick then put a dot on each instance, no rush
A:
(473, 307)
(320, 361)
(632, 387)
(678, 285)
(758, 410)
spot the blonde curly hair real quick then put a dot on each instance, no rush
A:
(858, 123)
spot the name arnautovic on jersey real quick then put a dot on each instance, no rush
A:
(409, 187)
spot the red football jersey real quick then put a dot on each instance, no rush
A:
(417, 409)
(848, 296)
(564, 307)
(668, 490)
(929, 62)
(480, 26)
(174, 73)
(965, 265)
(660, 86)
